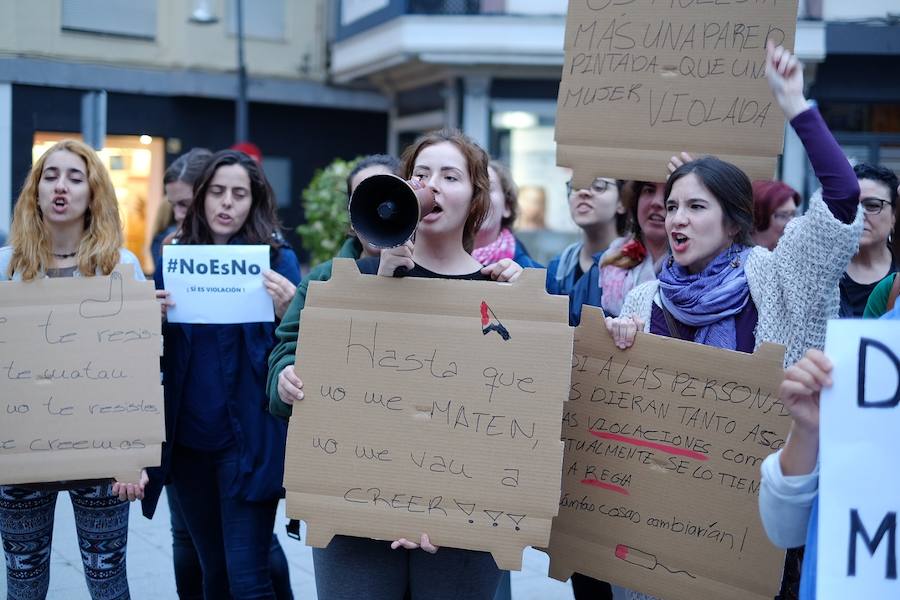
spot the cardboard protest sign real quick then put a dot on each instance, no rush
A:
(661, 472)
(644, 79)
(217, 284)
(430, 408)
(859, 494)
(80, 392)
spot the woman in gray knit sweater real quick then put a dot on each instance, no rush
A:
(716, 289)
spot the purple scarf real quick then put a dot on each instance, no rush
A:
(708, 300)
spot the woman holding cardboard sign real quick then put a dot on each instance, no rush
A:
(717, 290)
(456, 171)
(225, 453)
(66, 224)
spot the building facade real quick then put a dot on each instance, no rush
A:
(158, 83)
(492, 68)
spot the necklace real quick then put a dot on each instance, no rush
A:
(69, 255)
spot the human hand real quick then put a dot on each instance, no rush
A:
(165, 302)
(623, 330)
(799, 392)
(131, 491)
(505, 269)
(676, 161)
(280, 289)
(785, 76)
(395, 258)
(425, 544)
(290, 386)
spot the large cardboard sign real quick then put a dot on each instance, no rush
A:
(432, 406)
(645, 79)
(217, 283)
(80, 392)
(661, 472)
(859, 493)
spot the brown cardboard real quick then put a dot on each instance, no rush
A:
(646, 79)
(80, 393)
(474, 466)
(679, 522)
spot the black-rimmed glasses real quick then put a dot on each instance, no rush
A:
(598, 186)
(873, 206)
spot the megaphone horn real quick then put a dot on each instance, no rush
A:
(385, 210)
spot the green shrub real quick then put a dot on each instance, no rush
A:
(325, 207)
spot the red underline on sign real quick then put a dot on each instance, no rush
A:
(606, 486)
(656, 446)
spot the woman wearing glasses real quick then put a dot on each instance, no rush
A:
(601, 216)
(774, 205)
(877, 255)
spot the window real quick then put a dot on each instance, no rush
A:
(263, 19)
(127, 18)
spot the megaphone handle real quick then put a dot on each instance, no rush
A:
(401, 271)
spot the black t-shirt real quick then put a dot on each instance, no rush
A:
(369, 266)
(854, 295)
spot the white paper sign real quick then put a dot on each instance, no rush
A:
(859, 488)
(217, 284)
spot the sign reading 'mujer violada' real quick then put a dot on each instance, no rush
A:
(645, 79)
(217, 284)
(859, 494)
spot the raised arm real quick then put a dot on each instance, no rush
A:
(840, 189)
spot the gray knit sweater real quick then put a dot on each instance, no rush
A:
(794, 286)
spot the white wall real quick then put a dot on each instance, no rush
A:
(537, 7)
(837, 10)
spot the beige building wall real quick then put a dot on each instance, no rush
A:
(33, 29)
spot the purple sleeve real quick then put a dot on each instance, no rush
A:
(840, 188)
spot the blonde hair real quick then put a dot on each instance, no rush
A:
(98, 250)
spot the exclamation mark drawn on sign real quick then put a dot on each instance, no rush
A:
(493, 515)
(490, 322)
(517, 519)
(466, 508)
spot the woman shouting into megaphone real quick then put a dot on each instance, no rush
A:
(456, 171)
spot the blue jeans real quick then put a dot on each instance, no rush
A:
(189, 574)
(26, 525)
(232, 536)
(351, 568)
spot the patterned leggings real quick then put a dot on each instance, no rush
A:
(26, 525)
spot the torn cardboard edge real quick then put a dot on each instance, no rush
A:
(588, 163)
(593, 319)
(544, 307)
(507, 554)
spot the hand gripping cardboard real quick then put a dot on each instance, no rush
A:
(663, 446)
(80, 391)
(431, 406)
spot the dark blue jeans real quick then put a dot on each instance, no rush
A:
(232, 536)
(351, 568)
(189, 575)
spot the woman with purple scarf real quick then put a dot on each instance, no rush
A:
(717, 290)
